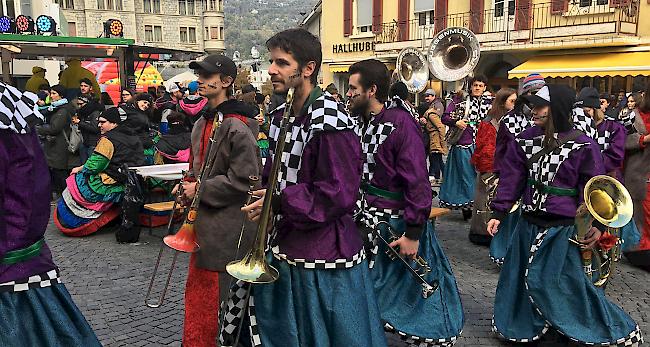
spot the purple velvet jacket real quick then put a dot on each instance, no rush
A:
(467, 138)
(24, 203)
(581, 164)
(400, 166)
(611, 139)
(316, 220)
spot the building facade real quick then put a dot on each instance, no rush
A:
(565, 40)
(196, 25)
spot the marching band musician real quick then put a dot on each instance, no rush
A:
(35, 307)
(542, 284)
(395, 189)
(457, 190)
(611, 141)
(324, 295)
(225, 189)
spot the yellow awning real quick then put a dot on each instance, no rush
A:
(582, 65)
(339, 68)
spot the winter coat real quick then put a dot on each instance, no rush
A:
(127, 150)
(236, 157)
(636, 167)
(88, 122)
(486, 142)
(34, 82)
(138, 121)
(437, 131)
(56, 146)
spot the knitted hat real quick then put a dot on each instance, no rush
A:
(588, 98)
(193, 86)
(112, 115)
(143, 96)
(533, 81)
(59, 89)
(430, 92)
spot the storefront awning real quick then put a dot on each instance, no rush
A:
(583, 65)
(339, 68)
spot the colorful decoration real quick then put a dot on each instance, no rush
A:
(113, 27)
(5, 24)
(24, 24)
(45, 24)
(107, 74)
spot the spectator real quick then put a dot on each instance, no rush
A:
(37, 80)
(138, 119)
(166, 102)
(629, 112)
(192, 105)
(429, 101)
(152, 91)
(126, 96)
(174, 146)
(331, 88)
(87, 119)
(607, 105)
(86, 88)
(59, 159)
(71, 77)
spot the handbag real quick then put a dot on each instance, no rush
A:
(75, 139)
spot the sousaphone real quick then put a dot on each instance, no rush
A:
(412, 69)
(453, 54)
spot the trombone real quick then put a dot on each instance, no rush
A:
(421, 266)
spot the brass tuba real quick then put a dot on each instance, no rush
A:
(412, 69)
(453, 54)
(608, 202)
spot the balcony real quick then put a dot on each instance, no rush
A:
(538, 24)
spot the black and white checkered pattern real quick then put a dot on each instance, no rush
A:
(371, 139)
(584, 123)
(498, 261)
(396, 101)
(320, 264)
(412, 340)
(545, 169)
(370, 217)
(534, 338)
(516, 123)
(236, 308)
(603, 140)
(17, 109)
(324, 114)
(43, 280)
(633, 339)
(478, 108)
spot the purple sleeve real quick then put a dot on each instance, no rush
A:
(16, 166)
(411, 167)
(614, 154)
(335, 168)
(512, 178)
(591, 164)
(446, 117)
(504, 136)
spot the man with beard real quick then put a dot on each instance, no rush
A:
(224, 191)
(463, 117)
(324, 295)
(400, 195)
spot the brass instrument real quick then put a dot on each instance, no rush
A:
(608, 202)
(491, 181)
(185, 239)
(421, 266)
(453, 54)
(253, 267)
(412, 69)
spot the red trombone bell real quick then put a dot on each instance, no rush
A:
(185, 239)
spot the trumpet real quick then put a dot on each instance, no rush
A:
(421, 266)
(253, 267)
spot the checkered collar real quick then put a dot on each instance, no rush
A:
(396, 101)
(17, 109)
(584, 123)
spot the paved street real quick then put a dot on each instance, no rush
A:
(108, 281)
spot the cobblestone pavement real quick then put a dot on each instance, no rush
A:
(108, 281)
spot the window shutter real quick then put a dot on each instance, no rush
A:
(347, 17)
(619, 3)
(476, 16)
(441, 15)
(522, 14)
(376, 15)
(559, 6)
(403, 19)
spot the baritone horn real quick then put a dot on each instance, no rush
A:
(453, 54)
(608, 202)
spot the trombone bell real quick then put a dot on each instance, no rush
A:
(184, 240)
(253, 269)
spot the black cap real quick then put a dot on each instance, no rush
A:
(216, 63)
(588, 98)
(112, 115)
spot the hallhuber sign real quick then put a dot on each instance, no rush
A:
(353, 47)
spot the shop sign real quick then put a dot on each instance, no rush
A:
(353, 47)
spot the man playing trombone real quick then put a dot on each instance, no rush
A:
(234, 155)
(396, 201)
(323, 295)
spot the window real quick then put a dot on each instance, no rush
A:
(151, 6)
(587, 3)
(206, 34)
(181, 7)
(100, 5)
(64, 4)
(364, 15)
(220, 5)
(7, 8)
(499, 7)
(192, 34)
(190, 7)
(423, 10)
(221, 37)
(204, 4)
(213, 5)
(153, 33)
(72, 29)
(186, 7)
(214, 33)
(119, 6)
(184, 34)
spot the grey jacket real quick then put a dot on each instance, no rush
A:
(55, 144)
(225, 190)
(637, 168)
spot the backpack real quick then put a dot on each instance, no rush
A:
(75, 139)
